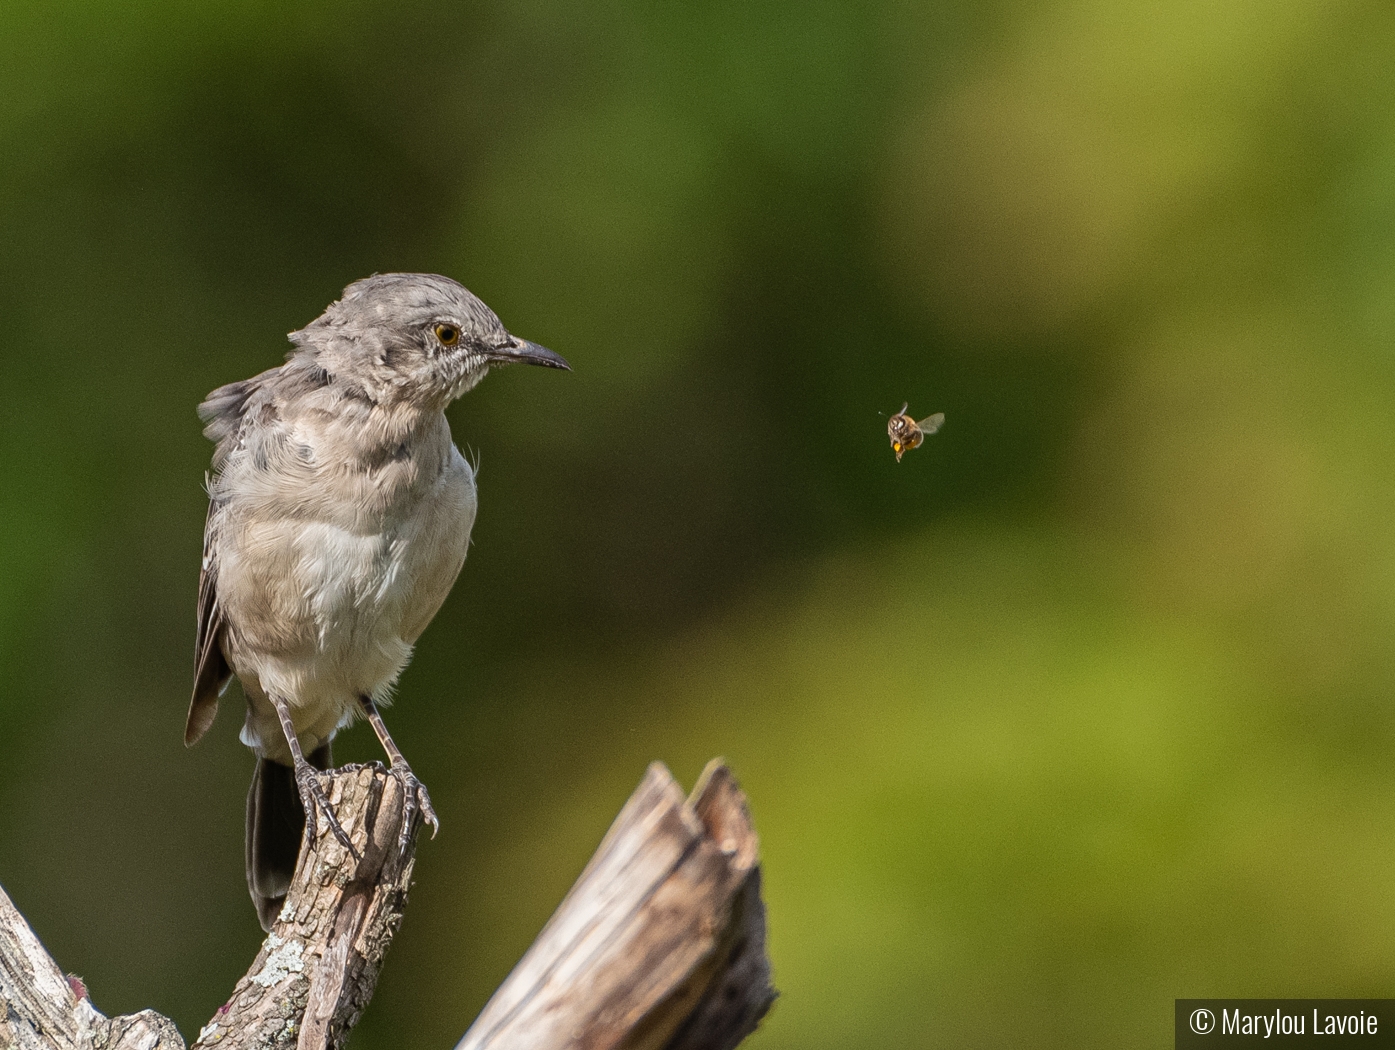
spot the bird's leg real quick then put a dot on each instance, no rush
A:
(413, 790)
(307, 779)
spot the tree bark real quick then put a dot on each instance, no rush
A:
(40, 1009)
(319, 965)
(661, 942)
(660, 945)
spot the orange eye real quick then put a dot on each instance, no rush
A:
(448, 334)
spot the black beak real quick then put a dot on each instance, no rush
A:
(523, 352)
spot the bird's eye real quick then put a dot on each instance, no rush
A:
(448, 334)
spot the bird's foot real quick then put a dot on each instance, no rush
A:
(414, 798)
(313, 799)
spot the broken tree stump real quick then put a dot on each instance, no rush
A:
(661, 942)
(660, 945)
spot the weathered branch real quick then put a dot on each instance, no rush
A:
(307, 986)
(661, 942)
(40, 1009)
(319, 964)
(660, 945)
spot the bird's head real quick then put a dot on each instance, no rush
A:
(413, 338)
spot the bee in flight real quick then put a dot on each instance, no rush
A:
(906, 433)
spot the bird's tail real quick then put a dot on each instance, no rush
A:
(275, 823)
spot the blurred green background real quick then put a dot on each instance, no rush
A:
(1086, 705)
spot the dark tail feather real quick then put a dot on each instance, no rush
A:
(275, 824)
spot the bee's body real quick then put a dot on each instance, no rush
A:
(906, 433)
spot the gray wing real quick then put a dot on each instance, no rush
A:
(222, 411)
(211, 670)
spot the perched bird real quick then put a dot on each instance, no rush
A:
(339, 514)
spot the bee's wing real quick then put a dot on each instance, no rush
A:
(932, 423)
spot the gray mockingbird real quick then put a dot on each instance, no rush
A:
(339, 514)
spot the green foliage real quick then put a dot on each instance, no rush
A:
(1084, 706)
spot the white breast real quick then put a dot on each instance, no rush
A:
(322, 612)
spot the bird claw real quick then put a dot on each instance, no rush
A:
(414, 798)
(312, 799)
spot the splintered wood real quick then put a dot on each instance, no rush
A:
(661, 942)
(660, 945)
(40, 1009)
